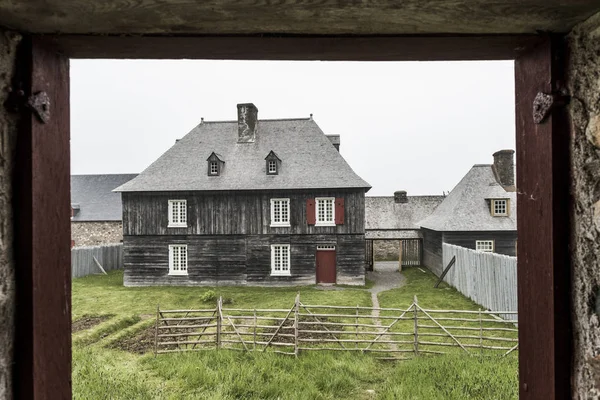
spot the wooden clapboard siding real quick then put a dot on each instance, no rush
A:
(504, 241)
(238, 259)
(432, 250)
(230, 213)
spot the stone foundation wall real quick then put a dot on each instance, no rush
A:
(8, 135)
(584, 87)
(386, 250)
(96, 233)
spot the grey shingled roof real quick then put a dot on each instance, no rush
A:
(384, 213)
(466, 208)
(94, 196)
(308, 160)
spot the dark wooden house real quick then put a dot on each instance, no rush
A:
(480, 213)
(258, 202)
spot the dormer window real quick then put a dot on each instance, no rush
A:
(214, 168)
(215, 164)
(273, 163)
(499, 207)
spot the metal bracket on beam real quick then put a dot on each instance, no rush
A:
(544, 103)
(38, 103)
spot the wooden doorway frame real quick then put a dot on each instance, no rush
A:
(43, 347)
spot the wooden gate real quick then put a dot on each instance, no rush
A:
(369, 254)
(411, 252)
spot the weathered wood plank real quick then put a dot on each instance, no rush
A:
(504, 241)
(363, 48)
(238, 259)
(233, 213)
(294, 17)
(42, 367)
(543, 223)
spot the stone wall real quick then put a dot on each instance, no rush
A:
(96, 233)
(8, 135)
(584, 87)
(386, 250)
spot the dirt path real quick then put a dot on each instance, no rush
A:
(386, 277)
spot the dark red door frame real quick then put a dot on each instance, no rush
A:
(543, 204)
(42, 368)
(42, 347)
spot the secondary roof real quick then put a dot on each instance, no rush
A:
(308, 160)
(467, 207)
(385, 213)
(93, 198)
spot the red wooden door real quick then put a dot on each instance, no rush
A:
(325, 266)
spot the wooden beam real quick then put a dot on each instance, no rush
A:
(326, 48)
(543, 229)
(191, 17)
(42, 231)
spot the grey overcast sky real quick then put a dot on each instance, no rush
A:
(412, 126)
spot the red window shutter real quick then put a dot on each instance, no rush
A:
(339, 211)
(311, 213)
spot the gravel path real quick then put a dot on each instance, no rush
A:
(386, 277)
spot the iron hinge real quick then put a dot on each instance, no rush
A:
(544, 103)
(38, 103)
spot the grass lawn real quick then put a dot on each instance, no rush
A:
(103, 372)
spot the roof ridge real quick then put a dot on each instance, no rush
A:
(124, 173)
(264, 120)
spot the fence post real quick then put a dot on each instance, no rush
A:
(254, 337)
(219, 322)
(480, 334)
(416, 326)
(356, 344)
(156, 331)
(296, 312)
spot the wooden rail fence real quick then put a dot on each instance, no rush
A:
(96, 259)
(391, 333)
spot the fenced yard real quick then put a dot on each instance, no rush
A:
(113, 353)
(488, 279)
(388, 332)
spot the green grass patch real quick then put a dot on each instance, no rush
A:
(107, 293)
(105, 329)
(105, 369)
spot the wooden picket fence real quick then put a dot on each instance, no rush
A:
(88, 260)
(488, 279)
(391, 333)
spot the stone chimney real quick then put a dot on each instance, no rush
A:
(504, 167)
(247, 122)
(335, 140)
(400, 197)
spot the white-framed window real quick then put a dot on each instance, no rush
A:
(178, 259)
(177, 213)
(484, 245)
(325, 211)
(272, 167)
(280, 259)
(500, 207)
(214, 168)
(280, 212)
(326, 247)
